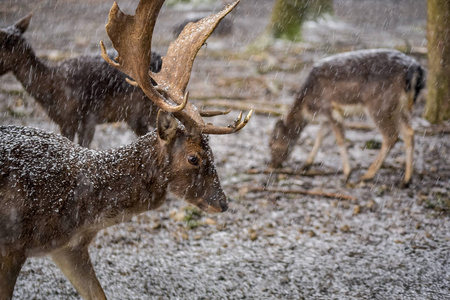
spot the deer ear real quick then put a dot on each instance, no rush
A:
(167, 126)
(23, 23)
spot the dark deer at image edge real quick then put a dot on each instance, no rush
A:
(77, 93)
(80, 92)
(55, 195)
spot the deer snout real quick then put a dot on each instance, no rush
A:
(274, 164)
(214, 204)
(224, 206)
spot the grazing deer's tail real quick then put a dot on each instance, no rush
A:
(415, 79)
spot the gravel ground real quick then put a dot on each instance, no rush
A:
(387, 243)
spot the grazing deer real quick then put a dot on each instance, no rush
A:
(78, 93)
(382, 83)
(55, 196)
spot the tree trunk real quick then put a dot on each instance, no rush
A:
(288, 16)
(438, 82)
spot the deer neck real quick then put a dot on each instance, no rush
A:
(296, 119)
(128, 181)
(36, 77)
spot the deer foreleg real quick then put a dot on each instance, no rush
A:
(386, 146)
(338, 130)
(321, 134)
(77, 267)
(10, 265)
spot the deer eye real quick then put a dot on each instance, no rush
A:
(193, 160)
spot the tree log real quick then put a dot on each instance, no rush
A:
(300, 192)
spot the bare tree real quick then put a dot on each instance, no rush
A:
(438, 98)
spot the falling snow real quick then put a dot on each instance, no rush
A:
(388, 243)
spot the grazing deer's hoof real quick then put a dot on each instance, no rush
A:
(405, 185)
(360, 184)
(347, 176)
(365, 178)
(306, 167)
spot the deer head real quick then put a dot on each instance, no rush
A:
(12, 44)
(193, 176)
(192, 157)
(279, 144)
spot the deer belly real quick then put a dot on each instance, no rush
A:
(341, 111)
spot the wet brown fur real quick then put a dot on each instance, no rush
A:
(55, 196)
(78, 93)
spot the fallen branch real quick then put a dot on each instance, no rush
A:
(259, 108)
(288, 171)
(280, 110)
(433, 130)
(301, 192)
(359, 126)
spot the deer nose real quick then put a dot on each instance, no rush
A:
(224, 206)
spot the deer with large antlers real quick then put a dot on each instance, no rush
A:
(55, 196)
(78, 93)
(382, 83)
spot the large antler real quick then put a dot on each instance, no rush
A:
(174, 76)
(131, 36)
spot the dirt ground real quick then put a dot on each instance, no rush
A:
(385, 243)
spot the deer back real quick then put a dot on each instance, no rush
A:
(358, 78)
(77, 93)
(102, 91)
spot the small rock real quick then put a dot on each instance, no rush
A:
(285, 280)
(210, 221)
(345, 228)
(356, 210)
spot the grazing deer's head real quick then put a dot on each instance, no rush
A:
(13, 44)
(280, 144)
(194, 175)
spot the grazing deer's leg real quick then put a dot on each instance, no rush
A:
(407, 134)
(10, 265)
(338, 130)
(321, 134)
(389, 129)
(76, 265)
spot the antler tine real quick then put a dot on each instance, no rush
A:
(232, 128)
(213, 113)
(131, 36)
(177, 64)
